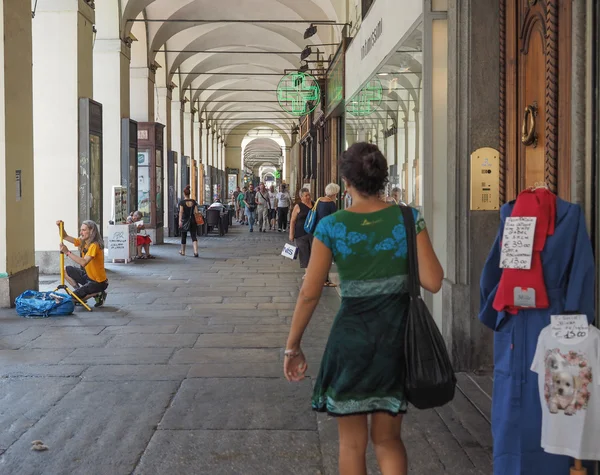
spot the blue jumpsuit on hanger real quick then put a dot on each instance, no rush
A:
(569, 274)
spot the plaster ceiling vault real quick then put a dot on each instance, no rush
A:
(190, 52)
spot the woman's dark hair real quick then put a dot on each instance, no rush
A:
(365, 168)
(187, 190)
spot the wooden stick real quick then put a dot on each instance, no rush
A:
(578, 469)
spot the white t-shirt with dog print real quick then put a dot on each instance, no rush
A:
(569, 382)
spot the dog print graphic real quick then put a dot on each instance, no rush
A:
(566, 381)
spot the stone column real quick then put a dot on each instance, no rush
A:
(111, 88)
(62, 73)
(188, 123)
(162, 111)
(177, 142)
(142, 94)
(17, 257)
(197, 142)
(473, 121)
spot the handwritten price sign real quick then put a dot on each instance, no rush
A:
(569, 328)
(517, 243)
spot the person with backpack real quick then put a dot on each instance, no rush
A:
(188, 209)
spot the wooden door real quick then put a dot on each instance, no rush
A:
(535, 49)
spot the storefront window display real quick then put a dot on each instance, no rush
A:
(144, 184)
(386, 111)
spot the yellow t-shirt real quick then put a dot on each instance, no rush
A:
(95, 268)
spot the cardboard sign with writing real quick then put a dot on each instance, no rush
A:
(569, 329)
(517, 243)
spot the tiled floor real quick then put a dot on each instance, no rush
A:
(180, 373)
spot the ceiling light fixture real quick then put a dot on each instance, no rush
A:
(310, 31)
(306, 52)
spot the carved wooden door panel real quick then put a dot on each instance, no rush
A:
(535, 39)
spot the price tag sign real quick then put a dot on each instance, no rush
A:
(517, 243)
(569, 329)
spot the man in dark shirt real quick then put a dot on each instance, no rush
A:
(250, 200)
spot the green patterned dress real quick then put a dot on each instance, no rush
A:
(362, 367)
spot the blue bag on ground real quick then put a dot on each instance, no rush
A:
(44, 304)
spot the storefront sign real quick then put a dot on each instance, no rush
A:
(335, 82)
(298, 93)
(372, 39)
(373, 43)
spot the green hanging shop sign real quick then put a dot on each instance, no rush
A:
(298, 93)
(367, 100)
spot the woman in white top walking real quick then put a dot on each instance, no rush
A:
(283, 208)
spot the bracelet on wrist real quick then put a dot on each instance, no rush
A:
(291, 353)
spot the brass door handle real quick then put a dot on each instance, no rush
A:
(528, 135)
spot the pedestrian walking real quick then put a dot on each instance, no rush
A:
(188, 208)
(250, 202)
(361, 374)
(262, 209)
(326, 206)
(283, 208)
(242, 218)
(272, 208)
(297, 233)
(236, 203)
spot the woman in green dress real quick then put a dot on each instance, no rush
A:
(361, 373)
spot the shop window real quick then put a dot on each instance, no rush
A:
(387, 112)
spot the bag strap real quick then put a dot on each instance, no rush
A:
(314, 208)
(411, 244)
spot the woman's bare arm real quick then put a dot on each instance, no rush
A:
(310, 293)
(431, 273)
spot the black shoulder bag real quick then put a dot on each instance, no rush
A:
(430, 380)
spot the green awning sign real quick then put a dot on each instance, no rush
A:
(367, 99)
(298, 93)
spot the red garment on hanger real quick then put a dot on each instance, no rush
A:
(541, 204)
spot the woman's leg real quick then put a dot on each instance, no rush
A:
(389, 448)
(354, 437)
(183, 241)
(193, 235)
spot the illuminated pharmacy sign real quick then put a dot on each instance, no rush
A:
(298, 93)
(367, 99)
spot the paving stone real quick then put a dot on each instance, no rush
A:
(153, 341)
(140, 329)
(240, 340)
(235, 320)
(267, 404)
(232, 453)
(8, 327)
(100, 356)
(236, 370)
(156, 372)
(277, 306)
(74, 330)
(276, 328)
(40, 371)
(98, 428)
(91, 322)
(69, 341)
(14, 342)
(23, 403)
(15, 357)
(225, 355)
(249, 299)
(204, 328)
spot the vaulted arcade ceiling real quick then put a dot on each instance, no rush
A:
(228, 56)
